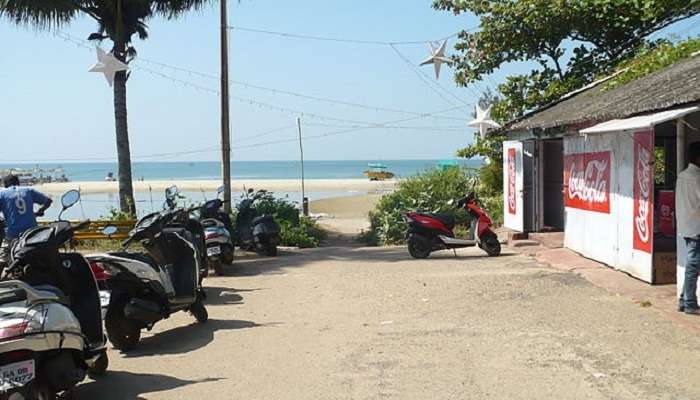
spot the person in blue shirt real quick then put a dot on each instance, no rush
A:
(17, 206)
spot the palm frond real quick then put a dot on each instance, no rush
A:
(40, 14)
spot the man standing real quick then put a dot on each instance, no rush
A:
(688, 223)
(17, 206)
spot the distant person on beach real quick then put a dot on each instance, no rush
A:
(688, 223)
(17, 207)
(110, 177)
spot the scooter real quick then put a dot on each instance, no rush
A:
(50, 328)
(256, 233)
(428, 232)
(183, 219)
(217, 234)
(149, 287)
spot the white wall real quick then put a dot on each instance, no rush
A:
(604, 237)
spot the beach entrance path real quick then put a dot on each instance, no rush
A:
(371, 323)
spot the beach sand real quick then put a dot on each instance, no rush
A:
(274, 185)
(344, 217)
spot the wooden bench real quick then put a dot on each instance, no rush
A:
(94, 231)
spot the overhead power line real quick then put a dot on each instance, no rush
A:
(342, 40)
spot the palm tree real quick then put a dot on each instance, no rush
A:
(119, 21)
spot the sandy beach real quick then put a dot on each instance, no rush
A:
(275, 185)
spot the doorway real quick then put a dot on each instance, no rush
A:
(552, 151)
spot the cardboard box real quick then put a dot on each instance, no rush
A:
(664, 267)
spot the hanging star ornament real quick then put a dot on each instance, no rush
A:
(437, 57)
(108, 65)
(483, 121)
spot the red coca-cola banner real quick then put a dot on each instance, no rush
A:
(511, 181)
(587, 180)
(643, 190)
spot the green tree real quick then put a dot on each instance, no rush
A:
(118, 21)
(604, 34)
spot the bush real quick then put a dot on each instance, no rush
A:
(297, 231)
(304, 235)
(430, 191)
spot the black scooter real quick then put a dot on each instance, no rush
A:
(147, 288)
(183, 219)
(256, 233)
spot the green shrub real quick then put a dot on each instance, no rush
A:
(304, 235)
(431, 191)
(297, 231)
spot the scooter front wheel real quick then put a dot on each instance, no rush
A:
(122, 332)
(199, 311)
(100, 366)
(418, 246)
(491, 245)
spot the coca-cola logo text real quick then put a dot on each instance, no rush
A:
(511, 181)
(643, 177)
(587, 180)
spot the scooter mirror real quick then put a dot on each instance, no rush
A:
(250, 190)
(109, 230)
(220, 190)
(70, 198)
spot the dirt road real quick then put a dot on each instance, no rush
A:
(371, 323)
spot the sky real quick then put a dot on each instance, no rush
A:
(53, 109)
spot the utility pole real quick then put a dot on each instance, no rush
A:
(225, 134)
(304, 200)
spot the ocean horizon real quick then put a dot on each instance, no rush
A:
(249, 170)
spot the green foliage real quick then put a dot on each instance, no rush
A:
(306, 234)
(281, 209)
(115, 214)
(294, 230)
(430, 191)
(653, 58)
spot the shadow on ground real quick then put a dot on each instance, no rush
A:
(253, 265)
(188, 338)
(221, 296)
(122, 385)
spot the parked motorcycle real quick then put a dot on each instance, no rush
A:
(217, 234)
(50, 327)
(256, 233)
(428, 232)
(149, 287)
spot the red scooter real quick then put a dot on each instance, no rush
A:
(428, 232)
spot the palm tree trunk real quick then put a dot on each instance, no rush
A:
(126, 190)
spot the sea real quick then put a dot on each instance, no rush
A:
(98, 205)
(249, 170)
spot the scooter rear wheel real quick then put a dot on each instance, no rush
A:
(418, 246)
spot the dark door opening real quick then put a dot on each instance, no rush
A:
(553, 184)
(529, 185)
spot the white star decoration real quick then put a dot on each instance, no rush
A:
(108, 65)
(437, 57)
(483, 121)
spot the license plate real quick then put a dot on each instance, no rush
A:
(213, 251)
(16, 374)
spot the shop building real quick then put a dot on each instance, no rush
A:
(600, 165)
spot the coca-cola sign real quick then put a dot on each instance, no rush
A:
(511, 181)
(643, 186)
(587, 181)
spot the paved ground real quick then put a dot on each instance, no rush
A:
(371, 323)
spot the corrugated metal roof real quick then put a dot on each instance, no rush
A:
(675, 85)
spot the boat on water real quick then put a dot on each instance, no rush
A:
(378, 172)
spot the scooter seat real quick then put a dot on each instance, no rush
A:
(141, 257)
(446, 219)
